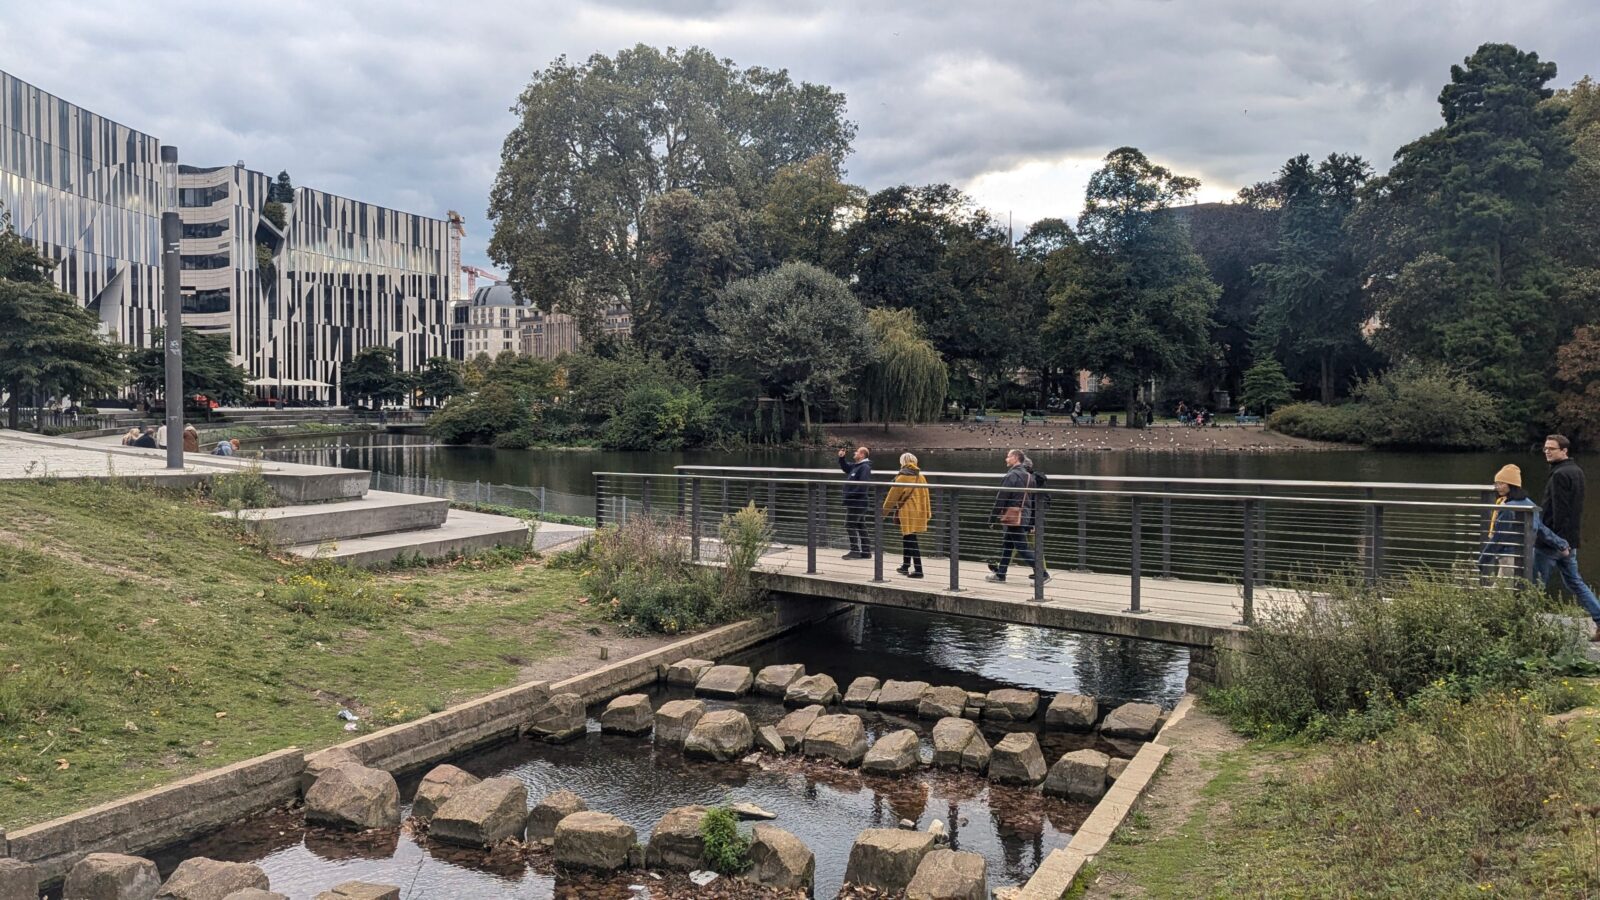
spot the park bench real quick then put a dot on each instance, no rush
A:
(1247, 420)
(1034, 417)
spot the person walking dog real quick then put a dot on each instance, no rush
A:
(910, 507)
(857, 501)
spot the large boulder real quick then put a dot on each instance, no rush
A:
(942, 702)
(950, 738)
(860, 691)
(440, 784)
(841, 738)
(20, 880)
(562, 718)
(322, 761)
(1079, 775)
(887, 858)
(596, 841)
(893, 754)
(543, 818)
(354, 797)
(769, 739)
(792, 727)
(1137, 721)
(722, 735)
(975, 758)
(200, 878)
(1017, 759)
(686, 672)
(727, 682)
(774, 681)
(361, 890)
(484, 814)
(105, 876)
(628, 714)
(1011, 705)
(812, 690)
(675, 719)
(901, 696)
(676, 842)
(950, 875)
(1072, 712)
(780, 860)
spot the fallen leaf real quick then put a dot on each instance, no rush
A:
(22, 778)
(62, 765)
(222, 715)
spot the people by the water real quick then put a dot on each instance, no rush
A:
(131, 438)
(1563, 513)
(1014, 511)
(1504, 544)
(223, 448)
(147, 440)
(911, 509)
(857, 501)
(191, 439)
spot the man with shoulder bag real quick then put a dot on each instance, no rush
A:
(1014, 511)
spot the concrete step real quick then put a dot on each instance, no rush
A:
(462, 532)
(315, 484)
(379, 512)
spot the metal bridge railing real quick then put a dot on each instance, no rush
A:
(1170, 534)
(535, 499)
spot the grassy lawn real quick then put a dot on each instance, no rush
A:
(142, 639)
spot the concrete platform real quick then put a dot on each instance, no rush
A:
(462, 532)
(379, 512)
(551, 535)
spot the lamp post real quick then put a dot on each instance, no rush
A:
(171, 267)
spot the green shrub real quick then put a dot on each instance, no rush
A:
(1427, 406)
(655, 417)
(327, 590)
(245, 488)
(1266, 386)
(746, 535)
(727, 851)
(1348, 659)
(1315, 422)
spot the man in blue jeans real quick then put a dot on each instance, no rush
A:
(1563, 514)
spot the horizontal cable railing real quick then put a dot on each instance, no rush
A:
(533, 499)
(1186, 546)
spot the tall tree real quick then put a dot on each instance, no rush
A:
(208, 367)
(1575, 236)
(597, 141)
(1313, 311)
(1135, 302)
(1232, 239)
(371, 374)
(441, 379)
(1456, 237)
(907, 379)
(698, 244)
(1043, 251)
(805, 213)
(49, 345)
(797, 330)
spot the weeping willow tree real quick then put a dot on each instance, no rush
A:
(907, 379)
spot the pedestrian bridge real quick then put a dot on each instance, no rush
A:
(1189, 561)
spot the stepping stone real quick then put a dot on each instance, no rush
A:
(20, 880)
(1011, 705)
(355, 798)
(841, 738)
(812, 690)
(440, 784)
(942, 702)
(482, 815)
(1072, 712)
(726, 682)
(675, 719)
(100, 876)
(1079, 775)
(893, 754)
(543, 818)
(686, 672)
(887, 858)
(950, 875)
(1116, 767)
(780, 860)
(860, 691)
(768, 739)
(562, 718)
(361, 890)
(256, 894)
(751, 811)
(596, 841)
(322, 761)
(676, 842)
(901, 696)
(792, 727)
(723, 735)
(773, 681)
(977, 755)
(1017, 759)
(628, 714)
(199, 878)
(1136, 721)
(950, 739)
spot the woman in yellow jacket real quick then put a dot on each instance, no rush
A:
(911, 508)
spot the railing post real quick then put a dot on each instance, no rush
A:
(1249, 581)
(955, 539)
(599, 501)
(1038, 546)
(724, 497)
(694, 519)
(541, 498)
(646, 482)
(1261, 541)
(811, 528)
(877, 532)
(1166, 532)
(1375, 565)
(1134, 562)
(1529, 536)
(772, 499)
(1083, 531)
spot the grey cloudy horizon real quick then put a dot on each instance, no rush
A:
(406, 103)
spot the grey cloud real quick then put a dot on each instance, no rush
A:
(405, 103)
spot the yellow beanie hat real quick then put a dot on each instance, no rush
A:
(1510, 475)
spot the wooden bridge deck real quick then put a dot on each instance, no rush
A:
(1194, 613)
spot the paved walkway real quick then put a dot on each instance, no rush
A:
(24, 456)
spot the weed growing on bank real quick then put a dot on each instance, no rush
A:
(1347, 658)
(246, 488)
(328, 590)
(727, 851)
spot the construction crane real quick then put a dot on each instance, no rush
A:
(473, 273)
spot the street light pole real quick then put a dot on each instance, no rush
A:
(171, 298)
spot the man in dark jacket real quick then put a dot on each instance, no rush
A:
(1014, 509)
(857, 501)
(1563, 514)
(148, 439)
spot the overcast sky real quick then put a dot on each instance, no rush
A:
(406, 103)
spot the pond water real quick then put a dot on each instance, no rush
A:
(823, 805)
